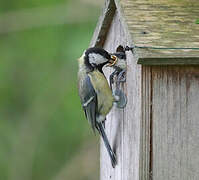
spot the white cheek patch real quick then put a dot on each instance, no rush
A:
(96, 59)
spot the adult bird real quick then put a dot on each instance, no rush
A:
(95, 94)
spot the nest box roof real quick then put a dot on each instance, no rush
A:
(156, 23)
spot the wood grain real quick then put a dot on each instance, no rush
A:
(162, 23)
(157, 23)
(146, 129)
(156, 135)
(169, 61)
(175, 109)
(123, 126)
(103, 25)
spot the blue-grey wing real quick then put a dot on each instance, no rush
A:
(88, 98)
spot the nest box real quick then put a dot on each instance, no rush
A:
(156, 136)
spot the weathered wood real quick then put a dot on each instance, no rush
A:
(169, 61)
(103, 24)
(175, 121)
(123, 126)
(156, 135)
(145, 127)
(115, 121)
(162, 23)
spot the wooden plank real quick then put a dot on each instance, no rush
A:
(175, 108)
(115, 120)
(162, 23)
(103, 24)
(145, 140)
(123, 126)
(169, 61)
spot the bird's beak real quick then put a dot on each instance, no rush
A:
(112, 61)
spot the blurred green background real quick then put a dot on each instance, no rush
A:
(43, 132)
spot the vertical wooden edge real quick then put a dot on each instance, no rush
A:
(151, 126)
(145, 139)
(175, 122)
(103, 25)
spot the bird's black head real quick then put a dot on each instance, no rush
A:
(96, 58)
(120, 52)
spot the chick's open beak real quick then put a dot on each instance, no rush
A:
(112, 61)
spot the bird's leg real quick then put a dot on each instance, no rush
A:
(107, 144)
(121, 77)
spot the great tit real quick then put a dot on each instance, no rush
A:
(95, 94)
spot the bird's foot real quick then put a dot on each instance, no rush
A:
(121, 76)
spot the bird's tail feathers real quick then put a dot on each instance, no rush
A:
(107, 145)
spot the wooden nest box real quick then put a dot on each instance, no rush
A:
(156, 136)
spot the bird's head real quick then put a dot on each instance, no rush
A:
(96, 58)
(120, 53)
(119, 59)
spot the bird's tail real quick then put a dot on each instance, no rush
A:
(107, 145)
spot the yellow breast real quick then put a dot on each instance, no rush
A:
(104, 93)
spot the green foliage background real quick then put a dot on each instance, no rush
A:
(43, 132)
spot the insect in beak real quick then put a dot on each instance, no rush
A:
(112, 61)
